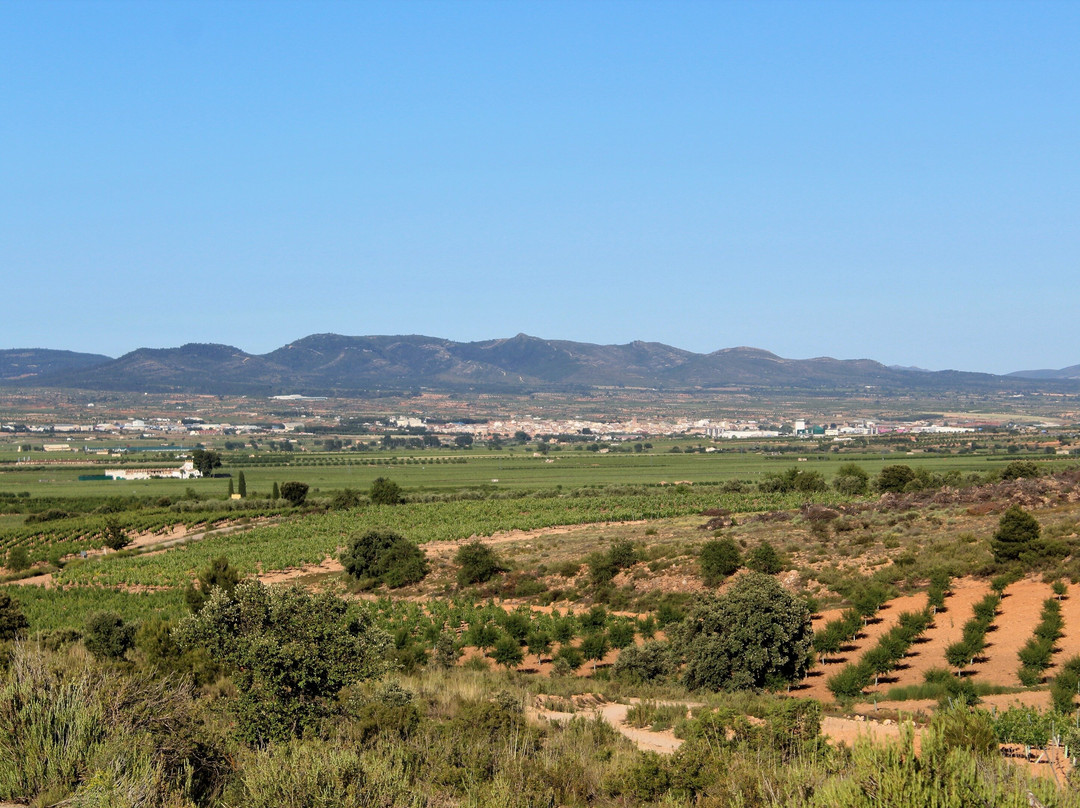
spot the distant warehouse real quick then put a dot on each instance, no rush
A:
(185, 472)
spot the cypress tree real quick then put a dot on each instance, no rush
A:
(231, 491)
(275, 493)
(241, 485)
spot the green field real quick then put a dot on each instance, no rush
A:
(443, 471)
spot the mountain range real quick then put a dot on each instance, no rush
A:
(331, 364)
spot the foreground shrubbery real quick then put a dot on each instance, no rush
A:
(84, 733)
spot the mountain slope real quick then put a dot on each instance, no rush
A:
(332, 364)
(24, 365)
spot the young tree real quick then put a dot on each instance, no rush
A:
(893, 479)
(1017, 531)
(18, 559)
(384, 556)
(538, 643)
(594, 646)
(115, 537)
(507, 652)
(851, 479)
(385, 492)
(294, 492)
(764, 558)
(755, 635)
(231, 489)
(275, 494)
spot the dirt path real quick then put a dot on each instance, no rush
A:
(815, 685)
(614, 713)
(439, 549)
(1012, 628)
(836, 730)
(1069, 645)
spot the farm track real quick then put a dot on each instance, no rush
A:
(1013, 627)
(1069, 644)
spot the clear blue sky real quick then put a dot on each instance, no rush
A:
(898, 181)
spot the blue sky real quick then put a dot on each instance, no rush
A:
(898, 181)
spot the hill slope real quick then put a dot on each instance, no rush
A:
(331, 364)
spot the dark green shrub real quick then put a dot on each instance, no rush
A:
(385, 492)
(295, 492)
(18, 559)
(719, 559)
(106, 636)
(13, 623)
(477, 563)
(764, 559)
(757, 634)
(218, 573)
(643, 663)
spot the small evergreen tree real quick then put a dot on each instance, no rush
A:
(231, 489)
(241, 485)
(218, 573)
(275, 494)
(18, 559)
(116, 538)
(1017, 531)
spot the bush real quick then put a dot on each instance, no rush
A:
(851, 479)
(477, 563)
(764, 559)
(106, 636)
(643, 663)
(17, 559)
(290, 653)
(719, 559)
(218, 573)
(894, 479)
(384, 556)
(385, 492)
(294, 492)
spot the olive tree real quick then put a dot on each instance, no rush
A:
(755, 635)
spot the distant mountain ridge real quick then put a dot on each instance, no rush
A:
(331, 364)
(1072, 372)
